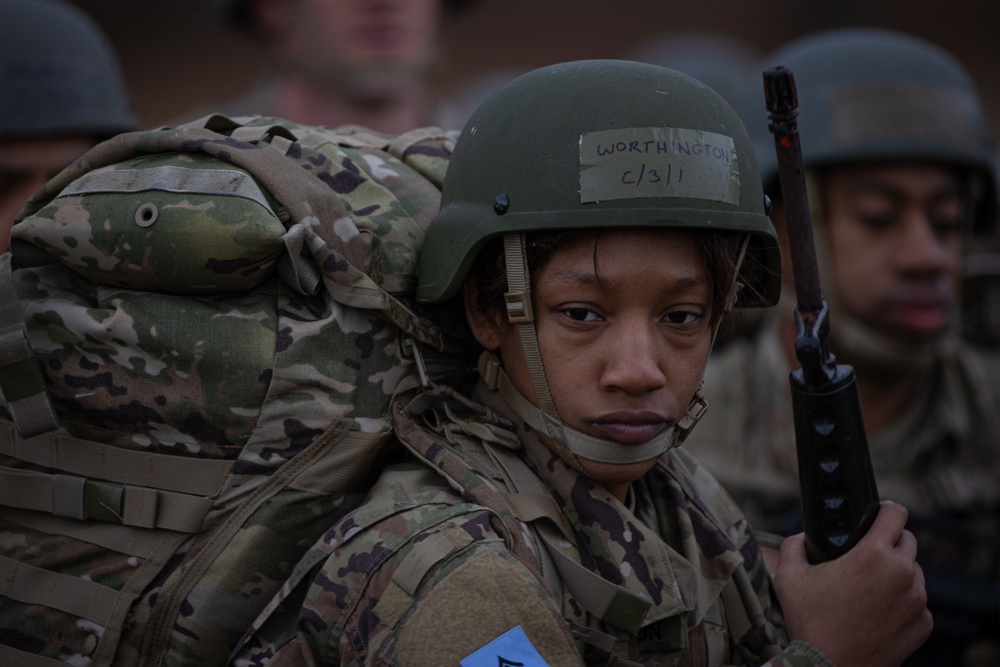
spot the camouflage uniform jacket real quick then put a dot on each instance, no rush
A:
(942, 456)
(941, 459)
(377, 597)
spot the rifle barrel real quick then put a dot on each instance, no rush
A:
(783, 111)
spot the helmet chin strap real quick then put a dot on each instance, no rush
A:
(569, 443)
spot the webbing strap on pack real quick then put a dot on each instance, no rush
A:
(88, 458)
(20, 378)
(129, 541)
(73, 595)
(12, 656)
(85, 499)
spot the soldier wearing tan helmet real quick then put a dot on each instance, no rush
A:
(900, 168)
(61, 91)
(596, 222)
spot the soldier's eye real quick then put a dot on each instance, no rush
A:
(682, 317)
(581, 314)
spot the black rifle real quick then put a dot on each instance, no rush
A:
(839, 495)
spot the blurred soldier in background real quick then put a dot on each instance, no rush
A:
(722, 61)
(334, 62)
(61, 91)
(725, 63)
(900, 170)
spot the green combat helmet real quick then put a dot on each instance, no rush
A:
(606, 144)
(867, 95)
(58, 73)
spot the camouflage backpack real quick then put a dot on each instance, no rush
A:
(202, 331)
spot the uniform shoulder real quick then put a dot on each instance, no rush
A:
(426, 577)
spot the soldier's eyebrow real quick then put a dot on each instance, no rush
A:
(571, 276)
(899, 193)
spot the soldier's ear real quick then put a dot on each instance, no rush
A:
(486, 326)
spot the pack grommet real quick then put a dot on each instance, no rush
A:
(146, 215)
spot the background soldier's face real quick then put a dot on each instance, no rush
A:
(895, 242)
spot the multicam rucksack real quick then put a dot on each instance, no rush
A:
(202, 329)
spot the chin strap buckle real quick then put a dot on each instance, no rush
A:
(695, 411)
(519, 307)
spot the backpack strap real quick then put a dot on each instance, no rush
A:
(80, 498)
(751, 631)
(20, 378)
(74, 595)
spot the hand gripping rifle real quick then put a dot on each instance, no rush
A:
(839, 496)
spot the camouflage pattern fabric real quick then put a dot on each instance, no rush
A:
(355, 599)
(941, 459)
(221, 315)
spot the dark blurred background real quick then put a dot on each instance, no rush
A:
(178, 56)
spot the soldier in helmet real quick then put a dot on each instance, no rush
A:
(334, 62)
(900, 169)
(596, 221)
(61, 92)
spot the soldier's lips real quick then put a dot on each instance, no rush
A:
(631, 428)
(921, 319)
(382, 36)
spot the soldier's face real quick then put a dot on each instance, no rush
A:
(367, 48)
(25, 166)
(623, 323)
(895, 241)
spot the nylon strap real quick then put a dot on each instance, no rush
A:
(252, 134)
(73, 595)
(82, 499)
(745, 617)
(87, 458)
(580, 444)
(20, 377)
(225, 182)
(11, 656)
(424, 555)
(129, 541)
(407, 140)
(519, 312)
(736, 615)
(341, 465)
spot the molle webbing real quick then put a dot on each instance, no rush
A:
(87, 458)
(109, 484)
(78, 498)
(71, 594)
(20, 378)
(191, 537)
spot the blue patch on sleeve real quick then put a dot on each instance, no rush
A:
(511, 649)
